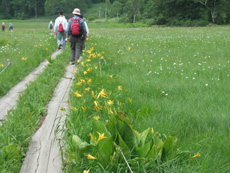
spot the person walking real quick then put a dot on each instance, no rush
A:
(50, 26)
(76, 32)
(3, 27)
(11, 27)
(87, 31)
(60, 27)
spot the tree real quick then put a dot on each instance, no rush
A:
(217, 9)
(133, 8)
(116, 8)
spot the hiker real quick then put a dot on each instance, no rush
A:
(3, 27)
(50, 26)
(76, 32)
(87, 31)
(11, 27)
(60, 27)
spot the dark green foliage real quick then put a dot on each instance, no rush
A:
(167, 12)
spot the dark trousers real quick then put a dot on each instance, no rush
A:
(76, 47)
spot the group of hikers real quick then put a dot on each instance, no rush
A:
(74, 31)
(4, 26)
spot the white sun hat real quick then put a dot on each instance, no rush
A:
(76, 11)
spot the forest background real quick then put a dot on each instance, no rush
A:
(151, 12)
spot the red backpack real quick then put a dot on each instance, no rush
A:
(75, 26)
(60, 28)
(3, 25)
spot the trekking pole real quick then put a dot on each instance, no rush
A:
(8, 65)
(126, 161)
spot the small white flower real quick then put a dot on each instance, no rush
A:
(206, 84)
(166, 94)
(193, 78)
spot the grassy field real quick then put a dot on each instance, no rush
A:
(177, 80)
(27, 46)
(174, 80)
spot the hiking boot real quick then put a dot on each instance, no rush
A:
(71, 63)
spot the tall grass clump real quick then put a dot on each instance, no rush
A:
(20, 124)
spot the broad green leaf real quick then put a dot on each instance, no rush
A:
(121, 116)
(124, 148)
(76, 141)
(169, 147)
(106, 150)
(158, 141)
(143, 151)
(99, 126)
(111, 126)
(142, 137)
(127, 134)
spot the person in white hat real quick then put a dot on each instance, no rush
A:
(75, 33)
(60, 27)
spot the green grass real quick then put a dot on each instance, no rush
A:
(178, 81)
(30, 40)
(21, 123)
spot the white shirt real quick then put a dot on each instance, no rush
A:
(61, 20)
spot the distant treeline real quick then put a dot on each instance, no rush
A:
(160, 12)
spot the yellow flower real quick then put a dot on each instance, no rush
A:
(46, 49)
(109, 102)
(130, 100)
(83, 50)
(197, 155)
(76, 94)
(96, 67)
(152, 131)
(111, 76)
(40, 45)
(129, 48)
(84, 109)
(73, 108)
(2, 65)
(78, 60)
(87, 89)
(109, 58)
(24, 58)
(97, 106)
(85, 72)
(95, 44)
(67, 46)
(137, 132)
(90, 157)
(82, 64)
(36, 46)
(67, 125)
(93, 94)
(89, 69)
(102, 94)
(101, 136)
(79, 83)
(102, 57)
(98, 54)
(86, 171)
(62, 108)
(103, 52)
(110, 111)
(119, 87)
(96, 117)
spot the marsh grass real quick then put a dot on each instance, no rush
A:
(21, 123)
(182, 75)
(27, 46)
(178, 81)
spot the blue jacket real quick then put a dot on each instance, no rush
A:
(82, 26)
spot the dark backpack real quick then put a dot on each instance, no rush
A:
(51, 26)
(75, 26)
(60, 28)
